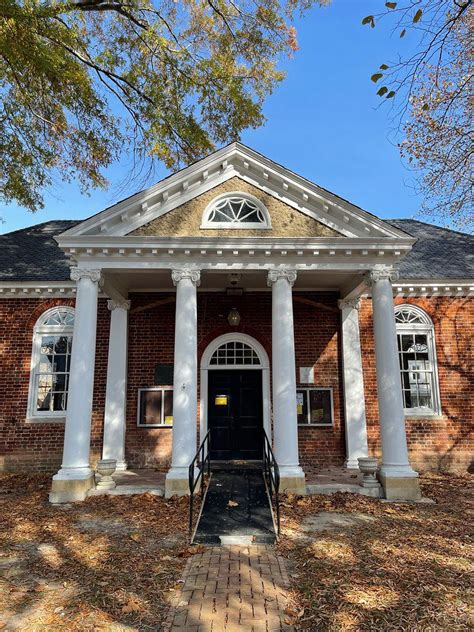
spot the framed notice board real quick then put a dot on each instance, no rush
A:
(155, 407)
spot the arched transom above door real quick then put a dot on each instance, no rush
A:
(235, 350)
(234, 353)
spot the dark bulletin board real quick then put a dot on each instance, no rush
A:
(164, 374)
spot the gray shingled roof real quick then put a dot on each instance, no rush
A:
(439, 253)
(32, 254)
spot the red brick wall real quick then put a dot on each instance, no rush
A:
(151, 341)
(444, 442)
(38, 445)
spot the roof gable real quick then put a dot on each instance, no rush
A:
(235, 160)
(185, 220)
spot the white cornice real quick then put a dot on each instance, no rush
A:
(402, 288)
(231, 161)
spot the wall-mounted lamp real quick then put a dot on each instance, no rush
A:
(233, 318)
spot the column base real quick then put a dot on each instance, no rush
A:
(292, 480)
(351, 464)
(400, 487)
(71, 485)
(122, 466)
(177, 482)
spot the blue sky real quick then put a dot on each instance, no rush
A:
(323, 122)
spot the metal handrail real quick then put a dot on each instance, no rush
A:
(202, 457)
(271, 472)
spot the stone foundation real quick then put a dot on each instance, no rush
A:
(70, 490)
(395, 488)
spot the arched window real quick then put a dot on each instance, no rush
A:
(234, 354)
(50, 363)
(236, 210)
(417, 354)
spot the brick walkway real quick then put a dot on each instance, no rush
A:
(232, 588)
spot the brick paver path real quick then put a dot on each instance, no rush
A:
(232, 589)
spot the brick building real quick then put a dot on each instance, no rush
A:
(235, 296)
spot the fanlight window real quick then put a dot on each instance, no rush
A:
(417, 355)
(234, 354)
(50, 363)
(236, 211)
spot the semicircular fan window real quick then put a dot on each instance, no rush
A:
(234, 353)
(236, 211)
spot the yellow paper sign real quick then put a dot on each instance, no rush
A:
(300, 409)
(221, 400)
(169, 420)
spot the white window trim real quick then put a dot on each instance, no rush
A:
(39, 330)
(317, 388)
(205, 223)
(139, 406)
(426, 328)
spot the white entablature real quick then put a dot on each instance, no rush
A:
(235, 160)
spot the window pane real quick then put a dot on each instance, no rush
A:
(320, 407)
(150, 413)
(168, 408)
(61, 345)
(302, 406)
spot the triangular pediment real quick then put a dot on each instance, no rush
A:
(174, 206)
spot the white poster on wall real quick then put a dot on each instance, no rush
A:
(306, 374)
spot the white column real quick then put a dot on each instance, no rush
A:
(184, 382)
(116, 391)
(75, 476)
(395, 463)
(354, 396)
(285, 421)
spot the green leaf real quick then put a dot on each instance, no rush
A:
(376, 77)
(390, 95)
(384, 67)
(391, 5)
(369, 19)
(382, 91)
(426, 106)
(417, 16)
(402, 34)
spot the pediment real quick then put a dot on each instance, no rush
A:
(185, 220)
(174, 206)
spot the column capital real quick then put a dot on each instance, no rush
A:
(83, 273)
(111, 304)
(186, 273)
(281, 273)
(382, 273)
(352, 303)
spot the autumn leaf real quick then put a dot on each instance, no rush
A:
(376, 76)
(384, 67)
(390, 95)
(417, 16)
(391, 5)
(132, 605)
(369, 19)
(382, 91)
(232, 503)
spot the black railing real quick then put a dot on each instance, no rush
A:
(271, 472)
(202, 458)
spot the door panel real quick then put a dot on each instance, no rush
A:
(235, 414)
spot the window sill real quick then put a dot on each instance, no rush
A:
(315, 425)
(46, 420)
(420, 415)
(154, 426)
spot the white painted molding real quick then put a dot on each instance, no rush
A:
(353, 303)
(206, 224)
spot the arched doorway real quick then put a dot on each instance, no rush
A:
(235, 396)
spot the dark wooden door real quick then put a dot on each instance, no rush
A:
(235, 414)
